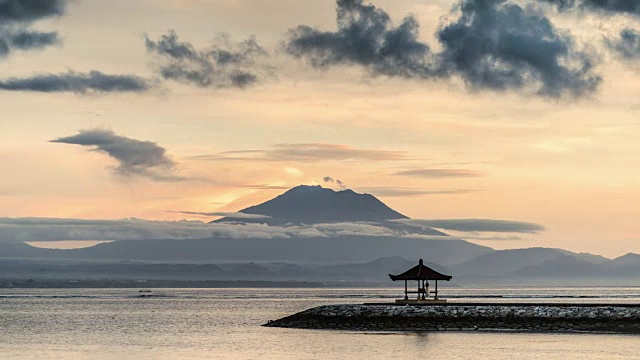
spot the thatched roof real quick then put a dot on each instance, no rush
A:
(420, 272)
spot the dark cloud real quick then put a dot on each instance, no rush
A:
(495, 44)
(477, 225)
(16, 19)
(222, 65)
(610, 6)
(135, 157)
(26, 40)
(627, 44)
(402, 192)
(440, 173)
(491, 44)
(91, 82)
(21, 11)
(623, 6)
(367, 37)
(306, 152)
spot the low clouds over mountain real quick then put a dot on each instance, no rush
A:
(477, 225)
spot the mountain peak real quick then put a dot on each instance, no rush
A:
(313, 204)
(629, 258)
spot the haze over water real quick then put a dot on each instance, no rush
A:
(225, 324)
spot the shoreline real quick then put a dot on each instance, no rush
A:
(562, 318)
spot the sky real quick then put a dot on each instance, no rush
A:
(522, 111)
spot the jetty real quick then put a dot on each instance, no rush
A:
(468, 317)
(424, 313)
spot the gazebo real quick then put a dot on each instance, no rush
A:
(422, 274)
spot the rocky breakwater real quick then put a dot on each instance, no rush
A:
(460, 317)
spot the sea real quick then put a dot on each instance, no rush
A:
(226, 324)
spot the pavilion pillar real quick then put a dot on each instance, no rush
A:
(406, 291)
(436, 297)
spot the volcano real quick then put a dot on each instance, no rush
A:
(314, 205)
(346, 227)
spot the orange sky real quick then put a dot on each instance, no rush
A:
(570, 165)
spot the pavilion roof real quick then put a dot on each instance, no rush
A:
(420, 272)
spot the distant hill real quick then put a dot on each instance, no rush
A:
(382, 266)
(506, 261)
(561, 266)
(628, 259)
(341, 249)
(315, 204)
(344, 252)
(594, 259)
(378, 269)
(374, 272)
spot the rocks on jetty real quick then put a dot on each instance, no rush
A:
(460, 317)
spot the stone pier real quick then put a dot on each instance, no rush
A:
(469, 317)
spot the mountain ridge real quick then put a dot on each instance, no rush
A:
(315, 207)
(307, 204)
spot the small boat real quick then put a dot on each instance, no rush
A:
(144, 290)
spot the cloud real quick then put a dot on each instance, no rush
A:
(610, 6)
(354, 229)
(498, 45)
(222, 65)
(52, 229)
(230, 215)
(329, 179)
(402, 192)
(48, 229)
(621, 6)
(16, 19)
(491, 44)
(135, 157)
(319, 151)
(20, 11)
(25, 40)
(366, 37)
(439, 173)
(477, 225)
(82, 83)
(307, 152)
(627, 45)
(293, 171)
(264, 187)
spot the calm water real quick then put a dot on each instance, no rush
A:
(225, 323)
